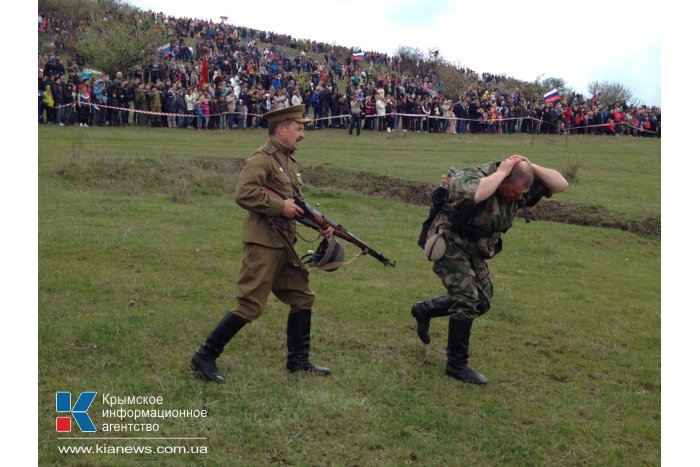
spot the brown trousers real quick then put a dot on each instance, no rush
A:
(276, 270)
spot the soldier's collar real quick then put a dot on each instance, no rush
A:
(280, 147)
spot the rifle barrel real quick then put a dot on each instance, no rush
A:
(317, 221)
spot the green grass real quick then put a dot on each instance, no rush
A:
(132, 278)
(621, 175)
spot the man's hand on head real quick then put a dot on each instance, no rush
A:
(507, 165)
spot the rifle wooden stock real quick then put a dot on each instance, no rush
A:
(319, 222)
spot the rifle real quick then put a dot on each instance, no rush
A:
(319, 222)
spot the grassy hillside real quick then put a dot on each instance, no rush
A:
(139, 248)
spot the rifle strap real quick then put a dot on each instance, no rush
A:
(287, 243)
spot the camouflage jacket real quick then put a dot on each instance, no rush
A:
(477, 228)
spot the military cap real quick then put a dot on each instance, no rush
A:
(295, 112)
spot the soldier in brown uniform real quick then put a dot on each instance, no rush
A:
(269, 262)
(478, 205)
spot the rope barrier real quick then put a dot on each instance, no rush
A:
(343, 116)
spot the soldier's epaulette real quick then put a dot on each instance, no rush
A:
(268, 148)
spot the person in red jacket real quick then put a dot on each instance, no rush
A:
(566, 117)
(617, 118)
(610, 127)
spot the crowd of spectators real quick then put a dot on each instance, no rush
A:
(245, 79)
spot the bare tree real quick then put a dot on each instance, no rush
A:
(611, 93)
(411, 58)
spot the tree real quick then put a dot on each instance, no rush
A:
(411, 58)
(75, 10)
(611, 93)
(554, 83)
(120, 42)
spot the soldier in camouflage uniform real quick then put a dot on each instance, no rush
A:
(478, 206)
(269, 261)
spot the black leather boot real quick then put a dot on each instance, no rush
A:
(204, 359)
(427, 309)
(299, 343)
(458, 352)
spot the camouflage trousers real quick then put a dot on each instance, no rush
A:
(465, 275)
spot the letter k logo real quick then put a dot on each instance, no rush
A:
(79, 411)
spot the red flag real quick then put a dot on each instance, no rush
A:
(204, 75)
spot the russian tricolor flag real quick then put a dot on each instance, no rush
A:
(358, 56)
(551, 96)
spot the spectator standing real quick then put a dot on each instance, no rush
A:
(58, 99)
(40, 88)
(416, 110)
(451, 119)
(47, 100)
(70, 98)
(84, 104)
(181, 108)
(460, 113)
(100, 97)
(369, 113)
(141, 103)
(380, 108)
(296, 98)
(125, 98)
(256, 98)
(426, 111)
(355, 114)
(244, 105)
(278, 100)
(448, 117)
(204, 103)
(392, 118)
(473, 112)
(265, 107)
(170, 108)
(190, 102)
(156, 105)
(566, 119)
(222, 107)
(131, 91)
(231, 102)
(113, 110)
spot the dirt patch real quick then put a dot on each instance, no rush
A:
(214, 175)
(419, 193)
(557, 211)
(369, 184)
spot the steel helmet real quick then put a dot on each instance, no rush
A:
(328, 256)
